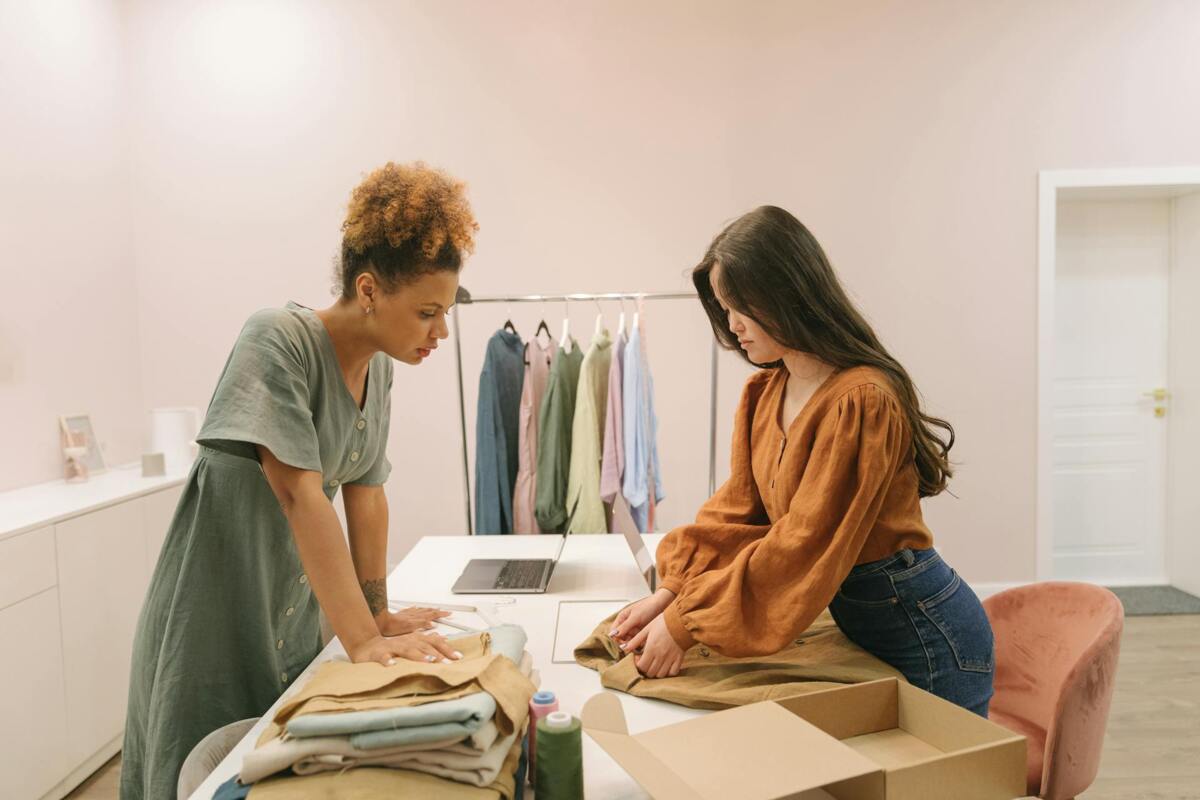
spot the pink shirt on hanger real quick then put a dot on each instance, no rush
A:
(538, 359)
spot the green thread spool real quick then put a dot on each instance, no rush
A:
(559, 763)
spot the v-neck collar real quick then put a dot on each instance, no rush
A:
(782, 374)
(332, 359)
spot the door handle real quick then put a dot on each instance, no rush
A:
(1159, 395)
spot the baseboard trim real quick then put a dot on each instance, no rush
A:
(85, 770)
(989, 589)
(984, 590)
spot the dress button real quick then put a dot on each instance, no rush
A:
(304, 579)
(362, 423)
(279, 645)
(290, 611)
(354, 456)
(283, 677)
(333, 484)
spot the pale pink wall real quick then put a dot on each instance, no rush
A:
(605, 145)
(68, 305)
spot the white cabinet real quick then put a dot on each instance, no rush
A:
(26, 565)
(75, 562)
(32, 758)
(157, 511)
(102, 579)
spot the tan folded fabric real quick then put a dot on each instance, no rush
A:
(820, 658)
(343, 686)
(372, 783)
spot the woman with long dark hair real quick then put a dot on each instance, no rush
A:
(831, 456)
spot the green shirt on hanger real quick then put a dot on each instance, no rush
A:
(554, 439)
(585, 508)
(229, 619)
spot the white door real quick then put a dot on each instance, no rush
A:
(1183, 457)
(1111, 329)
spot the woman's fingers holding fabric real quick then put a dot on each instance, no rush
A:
(619, 622)
(638, 641)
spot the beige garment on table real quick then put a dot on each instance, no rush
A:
(820, 658)
(342, 686)
(477, 769)
(307, 754)
(537, 372)
(372, 783)
(585, 509)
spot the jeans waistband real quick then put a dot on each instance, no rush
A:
(902, 563)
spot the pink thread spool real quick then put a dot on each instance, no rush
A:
(542, 705)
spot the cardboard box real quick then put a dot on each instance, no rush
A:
(882, 740)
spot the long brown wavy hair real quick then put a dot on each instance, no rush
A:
(774, 271)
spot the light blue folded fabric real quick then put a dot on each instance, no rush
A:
(378, 740)
(469, 711)
(440, 720)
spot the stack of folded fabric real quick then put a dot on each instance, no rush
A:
(461, 722)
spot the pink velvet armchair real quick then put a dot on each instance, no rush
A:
(1056, 662)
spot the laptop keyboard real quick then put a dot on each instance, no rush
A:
(521, 575)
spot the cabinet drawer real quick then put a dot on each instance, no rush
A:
(33, 723)
(27, 565)
(102, 581)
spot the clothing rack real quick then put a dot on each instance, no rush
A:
(464, 298)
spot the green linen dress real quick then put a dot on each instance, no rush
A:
(229, 619)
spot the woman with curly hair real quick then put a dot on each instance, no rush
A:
(255, 547)
(831, 456)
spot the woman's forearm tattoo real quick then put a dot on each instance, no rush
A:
(376, 594)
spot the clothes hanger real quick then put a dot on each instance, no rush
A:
(542, 327)
(621, 319)
(508, 323)
(637, 314)
(566, 329)
(599, 319)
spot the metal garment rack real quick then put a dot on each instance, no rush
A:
(464, 298)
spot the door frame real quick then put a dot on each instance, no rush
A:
(1049, 184)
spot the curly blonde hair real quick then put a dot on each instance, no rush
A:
(405, 220)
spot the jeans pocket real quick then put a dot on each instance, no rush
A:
(869, 613)
(957, 613)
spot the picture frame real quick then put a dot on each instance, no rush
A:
(81, 424)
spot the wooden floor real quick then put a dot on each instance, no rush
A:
(1152, 751)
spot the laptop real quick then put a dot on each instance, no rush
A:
(641, 554)
(507, 575)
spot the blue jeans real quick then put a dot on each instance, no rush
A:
(914, 612)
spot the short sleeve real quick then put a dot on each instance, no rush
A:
(378, 474)
(262, 397)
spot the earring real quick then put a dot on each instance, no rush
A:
(367, 310)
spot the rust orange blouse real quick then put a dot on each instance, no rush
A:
(769, 550)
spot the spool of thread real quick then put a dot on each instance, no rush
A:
(560, 757)
(542, 705)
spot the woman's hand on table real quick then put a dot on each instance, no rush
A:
(637, 616)
(658, 654)
(423, 646)
(408, 620)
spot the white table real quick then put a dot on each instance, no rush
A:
(591, 568)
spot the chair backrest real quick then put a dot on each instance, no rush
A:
(210, 752)
(1056, 661)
